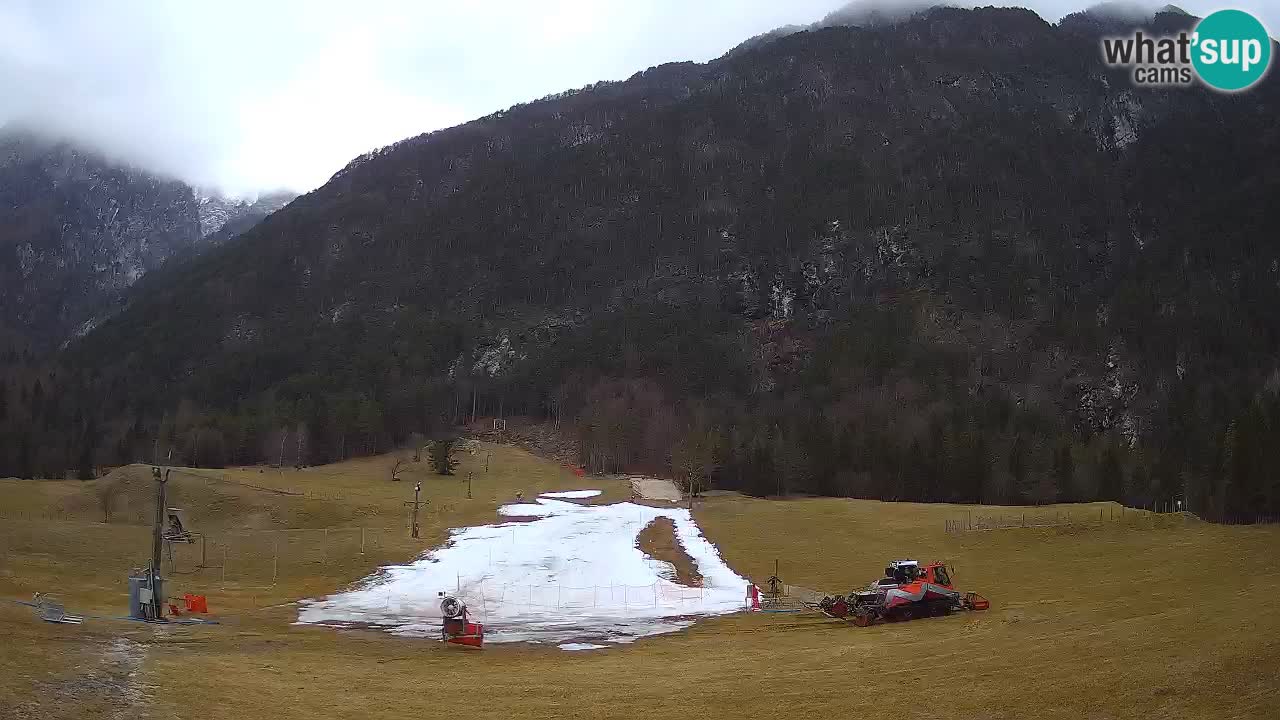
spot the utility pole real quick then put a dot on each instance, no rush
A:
(417, 488)
(157, 543)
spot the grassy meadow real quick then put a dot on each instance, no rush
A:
(1144, 616)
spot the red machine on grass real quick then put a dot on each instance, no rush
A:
(907, 591)
(458, 628)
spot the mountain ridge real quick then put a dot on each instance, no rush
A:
(77, 229)
(938, 259)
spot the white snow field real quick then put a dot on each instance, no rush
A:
(572, 575)
(572, 494)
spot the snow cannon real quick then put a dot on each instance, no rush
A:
(458, 628)
(907, 591)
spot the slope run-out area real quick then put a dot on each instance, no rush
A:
(573, 573)
(1116, 615)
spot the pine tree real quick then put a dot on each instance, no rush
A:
(25, 469)
(441, 454)
(1018, 465)
(1110, 474)
(37, 401)
(1064, 472)
(88, 445)
(979, 467)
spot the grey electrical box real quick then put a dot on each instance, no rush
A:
(141, 595)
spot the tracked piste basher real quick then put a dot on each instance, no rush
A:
(907, 591)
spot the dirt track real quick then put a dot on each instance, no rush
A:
(655, 489)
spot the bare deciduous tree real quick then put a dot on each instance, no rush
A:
(417, 441)
(695, 456)
(398, 464)
(108, 497)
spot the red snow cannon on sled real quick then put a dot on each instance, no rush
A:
(458, 628)
(907, 591)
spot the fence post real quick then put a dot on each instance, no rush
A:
(362, 540)
(275, 559)
(224, 565)
(324, 548)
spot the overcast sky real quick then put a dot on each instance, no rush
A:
(259, 94)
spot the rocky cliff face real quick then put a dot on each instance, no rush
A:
(77, 229)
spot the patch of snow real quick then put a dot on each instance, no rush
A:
(1123, 133)
(574, 575)
(525, 510)
(781, 299)
(1124, 126)
(496, 359)
(86, 327)
(340, 311)
(26, 259)
(571, 494)
(574, 647)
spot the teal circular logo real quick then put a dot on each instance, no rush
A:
(1230, 50)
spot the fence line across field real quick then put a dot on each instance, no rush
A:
(271, 554)
(558, 596)
(1080, 517)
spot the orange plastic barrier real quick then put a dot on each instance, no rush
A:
(196, 603)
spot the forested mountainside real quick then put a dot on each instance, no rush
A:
(953, 258)
(77, 229)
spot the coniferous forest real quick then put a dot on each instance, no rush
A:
(952, 259)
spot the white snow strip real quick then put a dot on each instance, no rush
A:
(574, 647)
(525, 510)
(573, 575)
(572, 494)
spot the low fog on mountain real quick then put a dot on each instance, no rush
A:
(245, 97)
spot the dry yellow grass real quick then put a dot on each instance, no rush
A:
(1096, 620)
(658, 540)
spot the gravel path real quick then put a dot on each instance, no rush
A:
(655, 489)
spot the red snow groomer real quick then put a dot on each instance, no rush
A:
(907, 591)
(458, 628)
